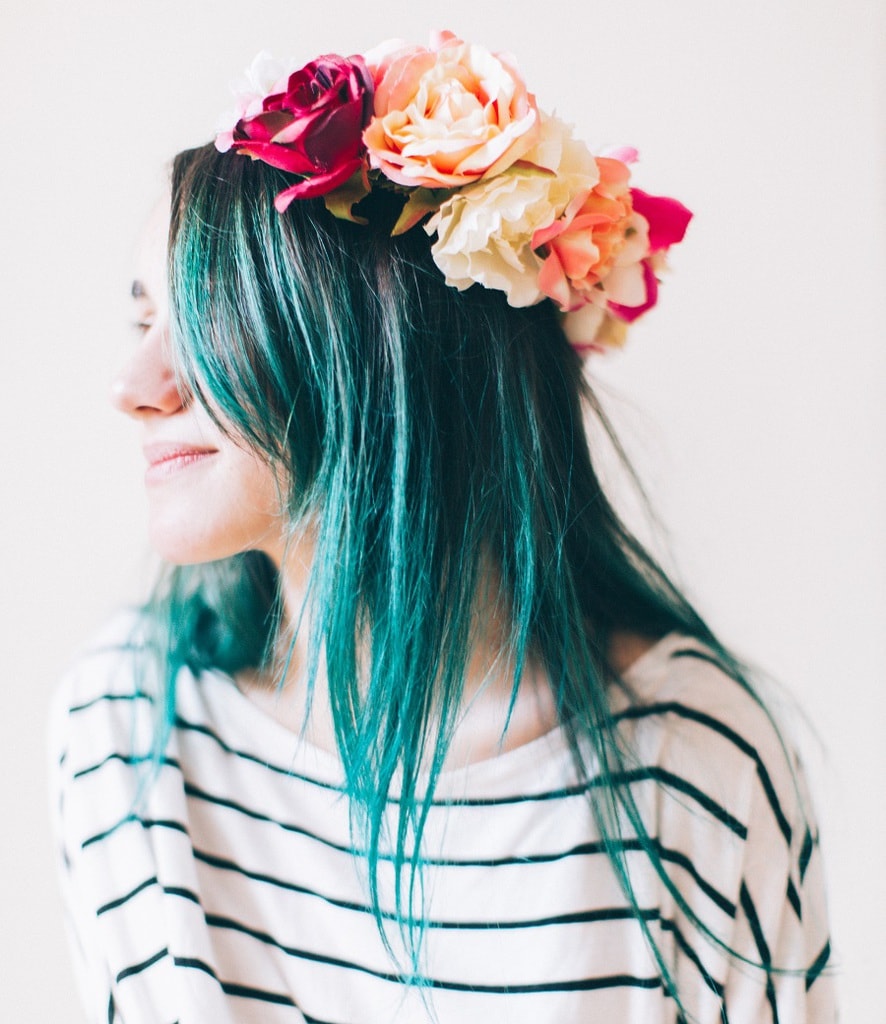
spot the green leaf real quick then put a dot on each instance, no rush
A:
(531, 169)
(340, 201)
(420, 203)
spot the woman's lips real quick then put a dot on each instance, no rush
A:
(166, 458)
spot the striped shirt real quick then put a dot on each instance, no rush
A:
(232, 891)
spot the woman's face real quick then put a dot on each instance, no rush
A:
(208, 497)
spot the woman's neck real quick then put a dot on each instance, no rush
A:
(488, 723)
(491, 719)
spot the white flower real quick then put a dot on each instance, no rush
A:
(264, 77)
(484, 231)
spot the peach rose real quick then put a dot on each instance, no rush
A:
(447, 116)
(597, 229)
(601, 265)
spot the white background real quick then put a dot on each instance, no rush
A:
(752, 399)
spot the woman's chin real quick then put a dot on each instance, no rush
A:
(180, 544)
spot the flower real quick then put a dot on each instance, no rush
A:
(601, 256)
(311, 126)
(580, 248)
(592, 329)
(511, 199)
(632, 287)
(485, 231)
(265, 76)
(447, 116)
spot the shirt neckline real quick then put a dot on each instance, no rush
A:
(244, 724)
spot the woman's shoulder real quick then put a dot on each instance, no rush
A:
(106, 680)
(714, 737)
(681, 687)
(105, 664)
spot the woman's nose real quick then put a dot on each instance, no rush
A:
(146, 384)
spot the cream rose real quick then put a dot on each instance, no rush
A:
(484, 232)
(448, 116)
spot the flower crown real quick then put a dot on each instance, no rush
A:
(515, 202)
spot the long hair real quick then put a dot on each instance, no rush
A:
(435, 440)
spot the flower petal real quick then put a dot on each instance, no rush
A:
(553, 281)
(317, 185)
(630, 313)
(668, 218)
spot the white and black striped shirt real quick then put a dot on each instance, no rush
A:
(235, 893)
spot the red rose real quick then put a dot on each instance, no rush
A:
(313, 128)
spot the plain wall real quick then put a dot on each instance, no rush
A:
(751, 399)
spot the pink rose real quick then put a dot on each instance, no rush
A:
(447, 116)
(313, 127)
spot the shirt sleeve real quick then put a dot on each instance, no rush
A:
(91, 973)
(781, 921)
(744, 925)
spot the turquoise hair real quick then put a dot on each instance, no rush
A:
(435, 439)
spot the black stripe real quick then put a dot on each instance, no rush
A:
(231, 988)
(128, 972)
(693, 714)
(203, 730)
(113, 904)
(99, 837)
(192, 963)
(106, 697)
(769, 789)
(229, 924)
(130, 759)
(715, 986)
(579, 985)
(585, 849)
(246, 992)
(821, 961)
(650, 773)
(627, 846)
(680, 859)
(805, 854)
(196, 793)
(794, 899)
(575, 790)
(185, 894)
(709, 804)
(582, 849)
(169, 890)
(169, 823)
(655, 774)
(772, 797)
(576, 917)
(315, 1020)
(575, 985)
(747, 905)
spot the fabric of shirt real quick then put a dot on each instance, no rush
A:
(231, 888)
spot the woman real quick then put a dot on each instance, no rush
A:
(416, 730)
